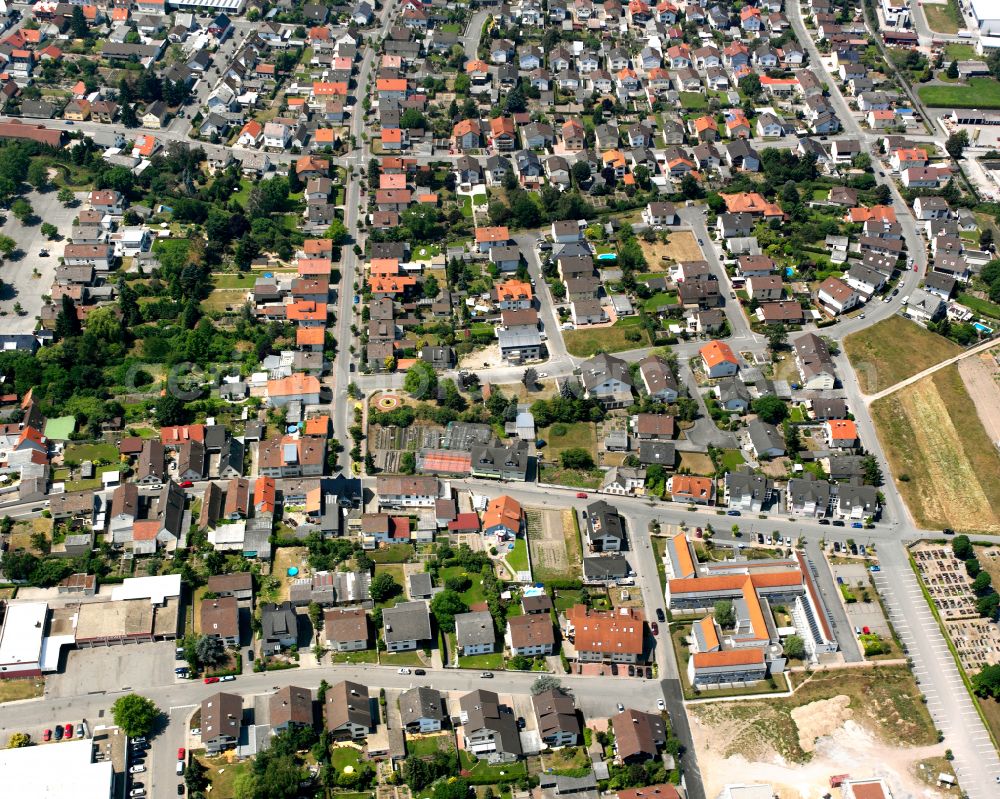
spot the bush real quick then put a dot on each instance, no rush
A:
(558, 430)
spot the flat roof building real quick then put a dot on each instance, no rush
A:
(67, 771)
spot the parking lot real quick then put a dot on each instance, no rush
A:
(861, 614)
(20, 283)
(113, 668)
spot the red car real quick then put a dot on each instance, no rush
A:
(180, 753)
(47, 735)
(68, 731)
(655, 628)
(209, 680)
(581, 494)
(186, 484)
(866, 631)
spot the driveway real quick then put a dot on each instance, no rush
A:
(20, 284)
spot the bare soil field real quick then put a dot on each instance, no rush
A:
(945, 464)
(869, 718)
(697, 463)
(981, 376)
(555, 551)
(682, 246)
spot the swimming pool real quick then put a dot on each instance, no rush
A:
(607, 256)
(789, 271)
(982, 328)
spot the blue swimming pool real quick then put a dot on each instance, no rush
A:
(789, 271)
(982, 328)
(607, 256)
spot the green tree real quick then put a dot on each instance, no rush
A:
(777, 336)
(961, 546)
(545, 683)
(445, 606)
(337, 232)
(725, 616)
(750, 85)
(770, 408)
(316, 616)
(987, 682)
(421, 381)
(49, 230)
(210, 650)
(78, 23)
(170, 410)
(872, 471)
(982, 583)
(795, 647)
(66, 196)
(18, 740)
(383, 587)
(134, 714)
(952, 71)
(956, 143)
(38, 172)
(576, 458)
(408, 463)
(22, 209)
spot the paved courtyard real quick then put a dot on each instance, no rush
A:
(113, 668)
(19, 282)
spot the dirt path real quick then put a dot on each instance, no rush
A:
(981, 376)
(849, 748)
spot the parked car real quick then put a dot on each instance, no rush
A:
(80, 732)
(47, 735)
(210, 680)
(68, 732)
(581, 494)
(631, 670)
(59, 733)
(621, 708)
(732, 513)
(403, 670)
(857, 525)
(180, 766)
(660, 615)
(181, 752)
(486, 675)
(186, 484)
(655, 628)
(866, 631)
(139, 768)
(838, 522)
(419, 672)
(137, 792)
(661, 704)
(228, 678)
(180, 788)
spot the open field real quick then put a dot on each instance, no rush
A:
(587, 341)
(681, 246)
(427, 745)
(981, 374)
(942, 17)
(697, 463)
(576, 434)
(555, 548)
(284, 558)
(15, 690)
(872, 719)
(981, 306)
(979, 93)
(893, 350)
(222, 773)
(945, 465)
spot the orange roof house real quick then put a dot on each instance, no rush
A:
(709, 634)
(705, 123)
(317, 247)
(310, 336)
(501, 125)
(384, 266)
(511, 290)
(718, 358)
(293, 387)
(392, 136)
(318, 426)
(751, 202)
(179, 434)
(325, 136)
(310, 163)
(466, 127)
(391, 85)
(329, 88)
(748, 656)
(394, 181)
(314, 266)
(685, 487)
(306, 311)
(681, 551)
(492, 235)
(391, 284)
(264, 491)
(503, 517)
(618, 632)
(477, 66)
(880, 213)
(842, 432)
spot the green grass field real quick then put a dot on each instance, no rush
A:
(585, 342)
(91, 452)
(577, 434)
(394, 553)
(693, 101)
(518, 557)
(494, 660)
(979, 93)
(480, 770)
(893, 350)
(942, 18)
(659, 300)
(427, 745)
(471, 595)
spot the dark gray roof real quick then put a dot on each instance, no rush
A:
(420, 703)
(407, 621)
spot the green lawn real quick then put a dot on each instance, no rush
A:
(577, 434)
(467, 206)
(492, 661)
(426, 252)
(574, 478)
(588, 341)
(480, 770)
(394, 553)
(953, 51)
(395, 570)
(90, 485)
(518, 557)
(401, 659)
(979, 93)
(943, 18)
(361, 656)
(693, 101)
(565, 599)
(474, 593)
(479, 200)
(659, 300)
(427, 745)
(222, 774)
(91, 452)
(731, 459)
(980, 306)
(342, 756)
